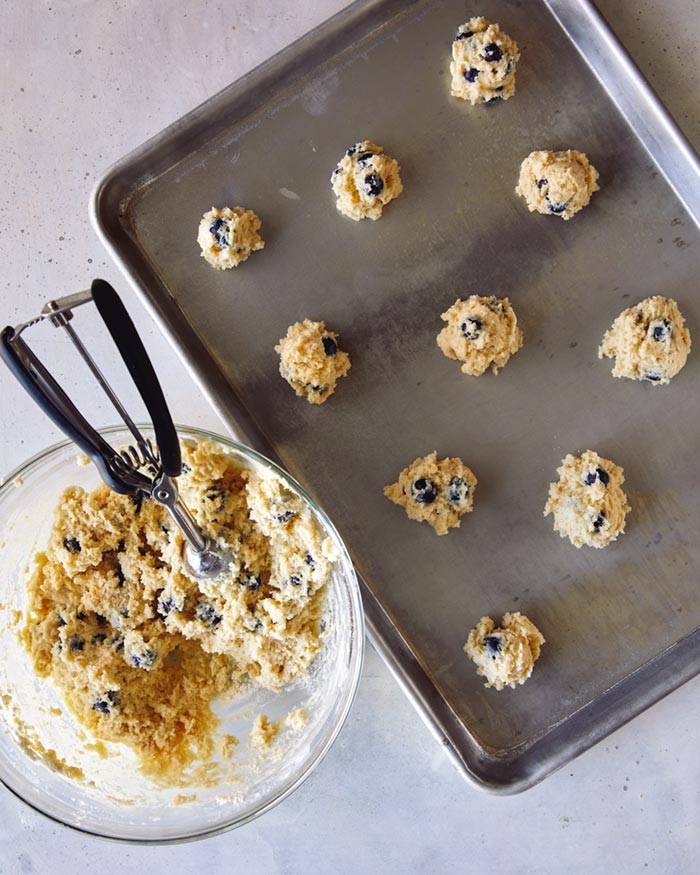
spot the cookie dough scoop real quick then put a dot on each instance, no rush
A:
(139, 469)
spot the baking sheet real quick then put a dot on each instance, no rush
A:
(613, 619)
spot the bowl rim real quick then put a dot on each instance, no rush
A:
(357, 615)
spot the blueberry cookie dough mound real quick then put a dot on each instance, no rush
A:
(437, 491)
(310, 360)
(557, 183)
(365, 180)
(483, 62)
(228, 236)
(648, 341)
(504, 656)
(587, 501)
(481, 332)
(136, 646)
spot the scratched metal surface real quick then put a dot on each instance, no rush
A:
(457, 229)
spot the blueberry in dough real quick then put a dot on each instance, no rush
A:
(166, 606)
(423, 491)
(662, 330)
(599, 474)
(206, 613)
(144, 659)
(105, 704)
(493, 645)
(492, 52)
(217, 497)
(284, 517)
(219, 229)
(599, 521)
(249, 580)
(556, 208)
(330, 347)
(471, 328)
(72, 545)
(374, 184)
(457, 490)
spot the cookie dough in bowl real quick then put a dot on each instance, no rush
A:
(649, 341)
(130, 698)
(557, 183)
(483, 62)
(481, 332)
(228, 236)
(365, 181)
(587, 502)
(436, 491)
(505, 656)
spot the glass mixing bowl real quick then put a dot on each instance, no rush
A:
(48, 760)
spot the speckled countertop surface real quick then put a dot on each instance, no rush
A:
(83, 83)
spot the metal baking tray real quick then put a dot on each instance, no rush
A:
(621, 624)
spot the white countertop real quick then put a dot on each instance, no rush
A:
(82, 84)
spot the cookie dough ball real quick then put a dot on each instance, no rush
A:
(228, 236)
(587, 501)
(483, 62)
(310, 360)
(504, 656)
(648, 342)
(557, 183)
(481, 332)
(365, 180)
(437, 491)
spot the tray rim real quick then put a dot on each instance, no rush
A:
(670, 151)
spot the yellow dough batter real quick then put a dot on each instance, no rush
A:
(138, 648)
(483, 62)
(229, 236)
(310, 360)
(481, 332)
(504, 656)
(587, 501)
(365, 180)
(649, 341)
(557, 183)
(436, 491)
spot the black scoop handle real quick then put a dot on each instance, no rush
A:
(133, 352)
(44, 389)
